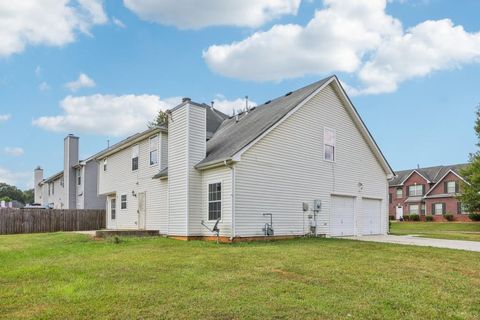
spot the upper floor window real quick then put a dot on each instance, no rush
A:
(214, 201)
(329, 142)
(415, 190)
(49, 187)
(105, 164)
(135, 152)
(79, 177)
(123, 201)
(53, 187)
(451, 187)
(153, 150)
(399, 193)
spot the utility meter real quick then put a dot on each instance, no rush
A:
(317, 205)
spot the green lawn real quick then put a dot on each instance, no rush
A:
(440, 230)
(69, 276)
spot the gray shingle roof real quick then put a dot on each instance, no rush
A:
(433, 174)
(234, 135)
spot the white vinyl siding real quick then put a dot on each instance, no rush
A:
(285, 168)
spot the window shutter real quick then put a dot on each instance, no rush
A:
(423, 189)
(444, 208)
(433, 209)
(459, 207)
(457, 187)
(445, 187)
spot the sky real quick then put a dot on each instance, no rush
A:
(103, 69)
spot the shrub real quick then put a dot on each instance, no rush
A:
(414, 217)
(406, 217)
(474, 216)
(428, 218)
(448, 216)
(391, 218)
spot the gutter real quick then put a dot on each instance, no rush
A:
(232, 168)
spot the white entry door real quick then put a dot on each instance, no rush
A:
(398, 212)
(142, 210)
(372, 216)
(342, 219)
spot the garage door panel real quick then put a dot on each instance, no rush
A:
(372, 216)
(342, 216)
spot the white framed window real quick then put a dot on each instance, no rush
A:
(438, 208)
(123, 201)
(79, 177)
(399, 193)
(49, 188)
(451, 187)
(105, 164)
(415, 190)
(414, 209)
(329, 144)
(153, 150)
(135, 152)
(53, 187)
(113, 208)
(214, 201)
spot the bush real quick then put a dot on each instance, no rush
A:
(428, 218)
(448, 216)
(414, 217)
(391, 218)
(474, 216)
(406, 217)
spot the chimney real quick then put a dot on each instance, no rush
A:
(37, 190)
(70, 158)
(186, 147)
(186, 99)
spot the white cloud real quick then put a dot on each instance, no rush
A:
(190, 14)
(38, 71)
(106, 114)
(83, 81)
(14, 151)
(351, 36)
(46, 22)
(119, 23)
(20, 179)
(43, 86)
(229, 106)
(5, 117)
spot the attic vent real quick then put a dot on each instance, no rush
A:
(288, 93)
(268, 101)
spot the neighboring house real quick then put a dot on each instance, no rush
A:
(427, 191)
(75, 187)
(306, 158)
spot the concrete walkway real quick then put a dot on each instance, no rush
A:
(425, 242)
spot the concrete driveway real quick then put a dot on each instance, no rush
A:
(424, 242)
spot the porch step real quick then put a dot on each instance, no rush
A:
(127, 233)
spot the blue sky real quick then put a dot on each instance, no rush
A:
(412, 75)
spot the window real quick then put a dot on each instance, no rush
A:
(438, 208)
(329, 141)
(153, 150)
(135, 151)
(214, 201)
(53, 187)
(399, 193)
(113, 204)
(415, 190)
(61, 182)
(79, 177)
(451, 187)
(414, 209)
(123, 201)
(49, 188)
(105, 164)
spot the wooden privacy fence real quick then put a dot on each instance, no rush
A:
(49, 220)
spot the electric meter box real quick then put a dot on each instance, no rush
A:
(317, 205)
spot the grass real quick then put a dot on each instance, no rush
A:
(58, 276)
(440, 230)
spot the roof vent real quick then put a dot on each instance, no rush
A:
(288, 93)
(268, 101)
(186, 99)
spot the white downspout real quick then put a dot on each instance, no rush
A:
(232, 168)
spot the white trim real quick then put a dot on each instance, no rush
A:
(428, 181)
(187, 180)
(334, 144)
(150, 150)
(215, 181)
(443, 177)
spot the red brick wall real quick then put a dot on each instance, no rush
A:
(415, 178)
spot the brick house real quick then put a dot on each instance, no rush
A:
(427, 191)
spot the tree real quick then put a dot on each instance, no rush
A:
(12, 192)
(470, 197)
(161, 120)
(28, 196)
(6, 199)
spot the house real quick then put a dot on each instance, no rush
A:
(427, 191)
(303, 163)
(75, 187)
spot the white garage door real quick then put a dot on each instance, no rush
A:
(372, 216)
(342, 216)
